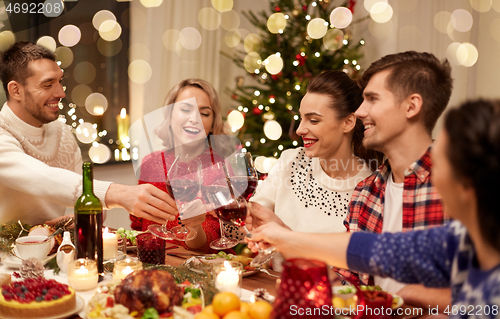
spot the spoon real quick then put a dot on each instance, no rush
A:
(57, 232)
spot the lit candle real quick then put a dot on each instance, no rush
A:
(109, 244)
(125, 267)
(228, 279)
(82, 274)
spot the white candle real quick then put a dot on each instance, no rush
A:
(228, 279)
(83, 278)
(125, 267)
(109, 244)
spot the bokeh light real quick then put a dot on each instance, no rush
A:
(110, 30)
(272, 130)
(7, 39)
(461, 20)
(316, 28)
(84, 72)
(86, 133)
(109, 49)
(99, 153)
(268, 164)
(252, 42)
(274, 64)
(467, 54)
(170, 39)
(235, 119)
(381, 30)
(495, 29)
(276, 22)
(222, 5)
(340, 17)
(101, 16)
(381, 12)
(481, 5)
(96, 104)
(209, 18)
(139, 51)
(151, 3)
(232, 38)
(252, 62)
(333, 39)
(230, 20)
(65, 56)
(69, 35)
(368, 4)
(259, 163)
(442, 20)
(47, 42)
(190, 38)
(80, 93)
(139, 71)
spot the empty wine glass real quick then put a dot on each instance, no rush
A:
(183, 183)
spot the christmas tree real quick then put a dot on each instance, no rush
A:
(299, 40)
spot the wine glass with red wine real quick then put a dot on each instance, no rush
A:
(183, 183)
(233, 210)
(244, 177)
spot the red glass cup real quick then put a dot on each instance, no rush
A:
(304, 285)
(150, 249)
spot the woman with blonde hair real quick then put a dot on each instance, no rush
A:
(192, 121)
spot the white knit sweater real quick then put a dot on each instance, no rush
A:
(40, 170)
(304, 196)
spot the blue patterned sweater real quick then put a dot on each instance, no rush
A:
(438, 257)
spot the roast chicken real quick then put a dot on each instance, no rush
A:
(148, 288)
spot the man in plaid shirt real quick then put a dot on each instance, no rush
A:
(404, 95)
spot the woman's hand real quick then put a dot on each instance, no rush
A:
(258, 215)
(270, 234)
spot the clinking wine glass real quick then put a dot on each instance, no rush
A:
(244, 176)
(233, 210)
(183, 183)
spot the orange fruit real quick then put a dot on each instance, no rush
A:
(206, 315)
(225, 302)
(260, 310)
(208, 309)
(236, 315)
(245, 307)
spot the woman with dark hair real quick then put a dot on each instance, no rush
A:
(310, 187)
(463, 255)
(192, 118)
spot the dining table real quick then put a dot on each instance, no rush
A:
(175, 256)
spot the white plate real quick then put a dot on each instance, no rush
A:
(336, 290)
(79, 306)
(14, 262)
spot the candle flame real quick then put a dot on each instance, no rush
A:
(106, 230)
(227, 264)
(123, 113)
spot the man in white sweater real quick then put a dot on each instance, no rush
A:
(40, 161)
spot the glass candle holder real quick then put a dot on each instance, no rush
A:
(109, 244)
(150, 249)
(228, 276)
(82, 274)
(125, 267)
(303, 284)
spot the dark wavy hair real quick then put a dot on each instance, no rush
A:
(416, 72)
(14, 62)
(345, 98)
(473, 130)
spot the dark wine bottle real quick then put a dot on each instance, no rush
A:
(88, 221)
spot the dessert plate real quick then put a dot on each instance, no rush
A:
(14, 262)
(79, 306)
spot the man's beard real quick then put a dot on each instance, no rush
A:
(37, 111)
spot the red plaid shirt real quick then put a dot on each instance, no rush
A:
(422, 207)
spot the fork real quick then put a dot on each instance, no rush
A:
(264, 270)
